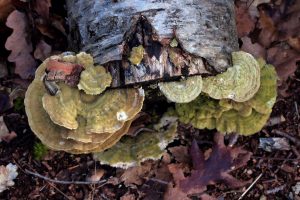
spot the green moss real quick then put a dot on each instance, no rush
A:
(19, 104)
(39, 150)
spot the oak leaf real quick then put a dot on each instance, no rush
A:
(216, 168)
(20, 45)
(284, 59)
(245, 24)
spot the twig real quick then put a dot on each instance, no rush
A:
(266, 158)
(296, 107)
(157, 180)
(242, 196)
(289, 137)
(64, 182)
(276, 189)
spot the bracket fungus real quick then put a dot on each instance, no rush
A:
(77, 122)
(182, 91)
(137, 55)
(227, 115)
(239, 83)
(131, 151)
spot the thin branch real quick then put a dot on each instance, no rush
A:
(269, 158)
(249, 188)
(288, 136)
(64, 182)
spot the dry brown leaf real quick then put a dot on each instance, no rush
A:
(128, 196)
(255, 49)
(245, 24)
(284, 59)
(135, 175)
(20, 45)
(6, 7)
(215, 169)
(96, 176)
(289, 25)
(268, 28)
(42, 50)
(42, 7)
(180, 154)
(5, 135)
(253, 7)
(294, 42)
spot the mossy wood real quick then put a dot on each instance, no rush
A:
(140, 40)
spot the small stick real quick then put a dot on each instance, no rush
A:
(64, 182)
(296, 107)
(276, 189)
(289, 137)
(269, 158)
(157, 180)
(242, 196)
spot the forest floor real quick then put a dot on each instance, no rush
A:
(268, 29)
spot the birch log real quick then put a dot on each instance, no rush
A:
(108, 29)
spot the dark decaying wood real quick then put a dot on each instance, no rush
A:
(204, 29)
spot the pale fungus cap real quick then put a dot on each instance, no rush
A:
(76, 122)
(182, 91)
(227, 115)
(131, 151)
(94, 79)
(239, 83)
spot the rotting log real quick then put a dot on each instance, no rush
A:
(108, 29)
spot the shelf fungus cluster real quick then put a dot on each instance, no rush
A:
(69, 108)
(131, 151)
(233, 105)
(239, 83)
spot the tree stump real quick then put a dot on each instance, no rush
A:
(179, 38)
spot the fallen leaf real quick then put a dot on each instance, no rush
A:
(96, 176)
(5, 135)
(42, 50)
(128, 196)
(245, 24)
(8, 137)
(19, 44)
(3, 129)
(6, 7)
(268, 28)
(253, 11)
(180, 154)
(42, 7)
(135, 175)
(216, 168)
(284, 59)
(255, 49)
(294, 42)
(289, 25)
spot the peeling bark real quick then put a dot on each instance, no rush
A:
(205, 31)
